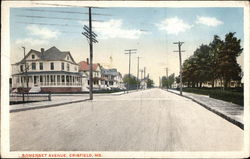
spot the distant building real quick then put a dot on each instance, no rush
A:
(220, 83)
(113, 78)
(84, 69)
(143, 83)
(51, 70)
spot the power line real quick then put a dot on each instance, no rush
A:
(54, 11)
(53, 24)
(67, 5)
(44, 17)
(67, 12)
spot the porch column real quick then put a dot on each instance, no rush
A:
(64, 76)
(55, 79)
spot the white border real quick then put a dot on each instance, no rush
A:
(5, 72)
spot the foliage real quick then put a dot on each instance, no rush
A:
(132, 80)
(216, 61)
(177, 79)
(168, 81)
(233, 95)
(150, 83)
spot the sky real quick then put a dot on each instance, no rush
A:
(151, 31)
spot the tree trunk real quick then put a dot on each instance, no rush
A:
(193, 84)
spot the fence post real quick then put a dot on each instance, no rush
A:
(49, 95)
(23, 97)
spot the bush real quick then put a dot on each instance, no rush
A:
(230, 95)
(234, 97)
(197, 90)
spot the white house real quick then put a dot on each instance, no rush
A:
(84, 69)
(113, 78)
(51, 70)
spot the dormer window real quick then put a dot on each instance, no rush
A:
(67, 57)
(33, 56)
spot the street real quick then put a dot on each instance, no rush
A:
(149, 120)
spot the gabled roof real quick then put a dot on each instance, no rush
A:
(112, 72)
(52, 54)
(84, 66)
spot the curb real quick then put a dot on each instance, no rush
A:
(47, 106)
(231, 120)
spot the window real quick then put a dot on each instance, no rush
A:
(21, 68)
(41, 66)
(33, 56)
(52, 66)
(33, 66)
(75, 68)
(62, 66)
(67, 67)
(67, 57)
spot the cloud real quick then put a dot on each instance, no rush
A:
(30, 42)
(42, 32)
(209, 21)
(174, 25)
(114, 29)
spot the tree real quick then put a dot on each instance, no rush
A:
(228, 68)
(131, 81)
(150, 83)
(213, 54)
(177, 79)
(202, 59)
(168, 81)
(214, 61)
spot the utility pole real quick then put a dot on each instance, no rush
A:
(138, 65)
(141, 74)
(144, 72)
(91, 36)
(159, 82)
(167, 77)
(179, 47)
(129, 52)
(90, 56)
(25, 69)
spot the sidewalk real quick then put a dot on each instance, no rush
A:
(229, 111)
(58, 100)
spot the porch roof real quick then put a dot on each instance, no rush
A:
(49, 72)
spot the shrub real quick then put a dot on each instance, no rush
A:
(234, 97)
(230, 95)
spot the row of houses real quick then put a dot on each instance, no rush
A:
(53, 70)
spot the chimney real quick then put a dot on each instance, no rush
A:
(42, 51)
(87, 60)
